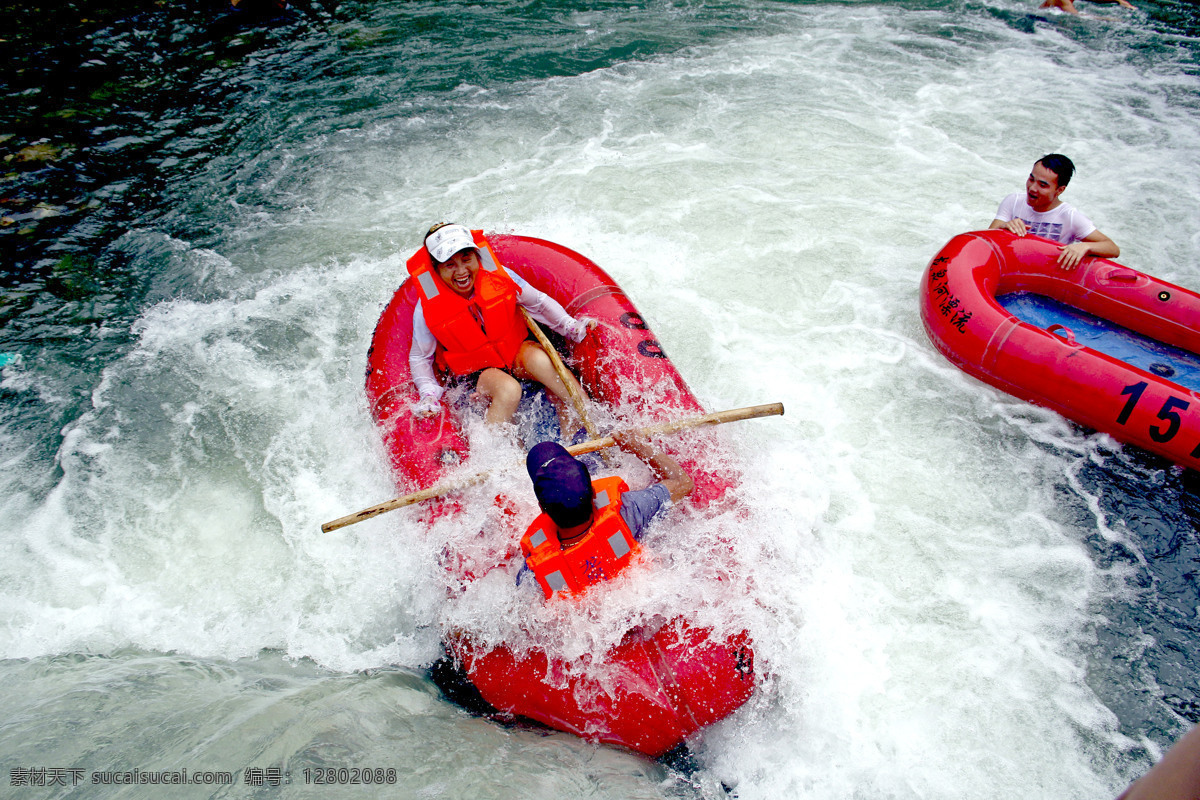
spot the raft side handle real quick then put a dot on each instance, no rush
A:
(1070, 335)
(996, 343)
(577, 305)
(1121, 276)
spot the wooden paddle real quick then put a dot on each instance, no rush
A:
(715, 418)
(563, 374)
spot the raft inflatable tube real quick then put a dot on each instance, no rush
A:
(1104, 345)
(661, 683)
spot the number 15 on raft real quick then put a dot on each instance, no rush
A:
(1169, 414)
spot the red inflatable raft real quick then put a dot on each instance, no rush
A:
(662, 682)
(1102, 344)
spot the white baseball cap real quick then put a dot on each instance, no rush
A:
(448, 240)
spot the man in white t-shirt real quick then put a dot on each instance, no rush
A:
(1040, 212)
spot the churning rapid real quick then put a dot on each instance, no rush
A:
(952, 593)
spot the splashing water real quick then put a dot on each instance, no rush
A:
(951, 593)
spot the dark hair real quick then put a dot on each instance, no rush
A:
(1060, 165)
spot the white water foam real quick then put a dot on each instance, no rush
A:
(921, 612)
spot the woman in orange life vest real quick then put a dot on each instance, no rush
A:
(588, 530)
(468, 320)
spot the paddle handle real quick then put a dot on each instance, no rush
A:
(563, 374)
(715, 418)
(401, 502)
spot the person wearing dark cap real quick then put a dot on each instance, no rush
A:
(588, 530)
(466, 321)
(1040, 211)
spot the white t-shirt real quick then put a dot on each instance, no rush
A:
(1064, 223)
(541, 306)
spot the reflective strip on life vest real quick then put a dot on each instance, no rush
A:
(486, 259)
(601, 498)
(556, 581)
(428, 285)
(618, 544)
(538, 538)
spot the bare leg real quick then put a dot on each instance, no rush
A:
(503, 393)
(533, 362)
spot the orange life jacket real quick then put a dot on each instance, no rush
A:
(606, 549)
(464, 344)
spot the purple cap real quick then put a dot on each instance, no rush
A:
(562, 484)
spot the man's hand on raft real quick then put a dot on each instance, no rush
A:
(1069, 255)
(1017, 226)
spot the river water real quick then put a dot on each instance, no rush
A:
(953, 594)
